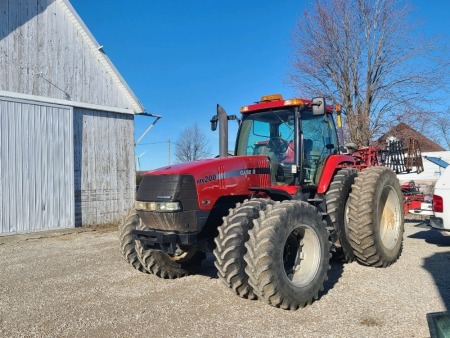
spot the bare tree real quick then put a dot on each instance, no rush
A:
(441, 124)
(192, 145)
(366, 55)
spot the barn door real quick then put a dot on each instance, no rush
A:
(36, 166)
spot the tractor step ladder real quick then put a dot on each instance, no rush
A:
(315, 200)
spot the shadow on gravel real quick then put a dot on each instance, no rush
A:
(208, 269)
(335, 272)
(438, 266)
(425, 222)
(432, 236)
(422, 223)
(337, 268)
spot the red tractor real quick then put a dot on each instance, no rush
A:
(272, 213)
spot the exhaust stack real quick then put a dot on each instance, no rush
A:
(222, 118)
(223, 131)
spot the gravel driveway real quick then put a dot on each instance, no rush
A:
(75, 283)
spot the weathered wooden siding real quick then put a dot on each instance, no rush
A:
(104, 166)
(43, 53)
(36, 167)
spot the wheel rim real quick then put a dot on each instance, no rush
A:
(346, 212)
(390, 220)
(301, 255)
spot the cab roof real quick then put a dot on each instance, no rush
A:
(277, 101)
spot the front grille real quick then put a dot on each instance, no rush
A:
(169, 188)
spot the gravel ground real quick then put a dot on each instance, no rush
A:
(75, 283)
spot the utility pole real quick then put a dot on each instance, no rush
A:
(169, 150)
(139, 160)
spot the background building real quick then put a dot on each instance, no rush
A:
(431, 171)
(66, 122)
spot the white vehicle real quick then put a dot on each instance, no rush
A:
(441, 202)
(426, 208)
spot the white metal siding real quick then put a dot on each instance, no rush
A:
(104, 166)
(36, 167)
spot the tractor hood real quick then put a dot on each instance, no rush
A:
(182, 168)
(213, 165)
(213, 178)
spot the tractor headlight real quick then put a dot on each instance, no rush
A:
(158, 206)
(168, 206)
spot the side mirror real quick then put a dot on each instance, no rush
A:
(318, 106)
(234, 117)
(213, 121)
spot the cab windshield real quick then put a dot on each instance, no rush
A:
(272, 133)
(265, 132)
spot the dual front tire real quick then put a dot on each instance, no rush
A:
(230, 245)
(288, 255)
(278, 252)
(184, 262)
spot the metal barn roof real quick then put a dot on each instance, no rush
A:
(97, 48)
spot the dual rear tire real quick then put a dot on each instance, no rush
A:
(366, 209)
(337, 208)
(375, 217)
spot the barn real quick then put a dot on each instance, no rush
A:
(428, 148)
(66, 122)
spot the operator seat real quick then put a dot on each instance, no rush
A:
(263, 149)
(309, 166)
(290, 155)
(307, 148)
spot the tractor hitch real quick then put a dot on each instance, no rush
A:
(164, 241)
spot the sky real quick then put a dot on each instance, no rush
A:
(181, 58)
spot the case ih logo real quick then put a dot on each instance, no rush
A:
(247, 172)
(234, 173)
(207, 179)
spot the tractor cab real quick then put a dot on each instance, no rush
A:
(297, 135)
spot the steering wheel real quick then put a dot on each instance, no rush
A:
(278, 145)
